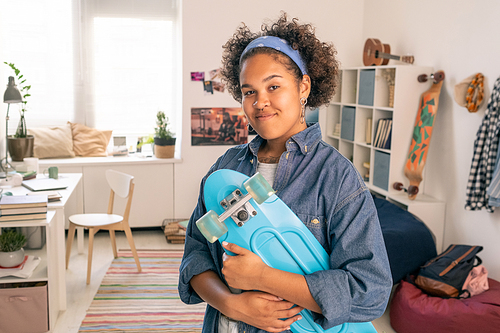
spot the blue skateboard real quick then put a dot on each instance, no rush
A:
(245, 211)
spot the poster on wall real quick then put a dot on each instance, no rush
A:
(218, 126)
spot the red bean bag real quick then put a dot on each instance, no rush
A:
(413, 311)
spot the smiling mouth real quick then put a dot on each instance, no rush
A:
(264, 117)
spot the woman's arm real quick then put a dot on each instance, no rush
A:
(247, 271)
(258, 309)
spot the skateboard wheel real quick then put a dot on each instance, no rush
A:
(422, 78)
(398, 186)
(438, 76)
(412, 190)
(259, 188)
(211, 227)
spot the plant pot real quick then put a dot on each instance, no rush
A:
(164, 148)
(11, 259)
(19, 148)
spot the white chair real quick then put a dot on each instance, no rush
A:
(123, 186)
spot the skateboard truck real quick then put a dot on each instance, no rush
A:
(412, 190)
(438, 76)
(237, 206)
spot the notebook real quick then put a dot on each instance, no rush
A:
(44, 184)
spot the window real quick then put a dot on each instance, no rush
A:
(109, 64)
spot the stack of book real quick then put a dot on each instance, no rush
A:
(175, 230)
(23, 207)
(383, 134)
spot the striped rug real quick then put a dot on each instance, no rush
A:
(129, 301)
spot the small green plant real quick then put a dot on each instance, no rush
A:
(22, 130)
(11, 241)
(162, 131)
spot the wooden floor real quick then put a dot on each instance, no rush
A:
(80, 295)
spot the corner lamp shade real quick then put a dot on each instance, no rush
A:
(12, 94)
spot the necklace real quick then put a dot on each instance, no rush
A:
(269, 159)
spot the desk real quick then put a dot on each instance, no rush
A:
(55, 244)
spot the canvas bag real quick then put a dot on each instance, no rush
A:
(445, 274)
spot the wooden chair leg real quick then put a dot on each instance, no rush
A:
(128, 233)
(69, 242)
(91, 247)
(113, 242)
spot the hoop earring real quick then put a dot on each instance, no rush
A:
(249, 127)
(303, 102)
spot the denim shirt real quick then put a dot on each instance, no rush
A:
(327, 193)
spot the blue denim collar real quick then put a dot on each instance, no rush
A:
(304, 141)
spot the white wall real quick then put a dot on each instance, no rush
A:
(456, 36)
(459, 37)
(206, 27)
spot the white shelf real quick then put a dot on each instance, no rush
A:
(376, 104)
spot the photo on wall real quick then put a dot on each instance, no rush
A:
(218, 126)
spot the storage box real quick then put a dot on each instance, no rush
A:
(381, 170)
(24, 307)
(366, 86)
(348, 122)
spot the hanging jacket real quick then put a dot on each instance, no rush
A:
(485, 155)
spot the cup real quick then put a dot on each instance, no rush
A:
(53, 172)
(31, 164)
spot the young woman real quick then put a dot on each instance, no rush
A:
(275, 74)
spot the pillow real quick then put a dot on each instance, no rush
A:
(89, 141)
(52, 142)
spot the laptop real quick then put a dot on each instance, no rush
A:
(44, 184)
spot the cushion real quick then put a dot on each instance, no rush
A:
(413, 311)
(52, 142)
(89, 141)
(408, 241)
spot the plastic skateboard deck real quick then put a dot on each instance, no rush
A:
(266, 226)
(422, 134)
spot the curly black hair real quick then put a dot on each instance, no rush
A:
(319, 57)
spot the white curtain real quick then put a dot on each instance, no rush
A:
(109, 64)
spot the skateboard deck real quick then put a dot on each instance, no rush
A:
(245, 211)
(422, 134)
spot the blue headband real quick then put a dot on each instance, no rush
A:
(277, 44)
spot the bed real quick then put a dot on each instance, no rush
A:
(408, 241)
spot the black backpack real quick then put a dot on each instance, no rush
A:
(445, 275)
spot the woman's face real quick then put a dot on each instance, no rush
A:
(271, 97)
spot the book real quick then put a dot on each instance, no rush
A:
(51, 195)
(387, 134)
(368, 131)
(22, 217)
(23, 210)
(44, 184)
(23, 201)
(380, 125)
(387, 144)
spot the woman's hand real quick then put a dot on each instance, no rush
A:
(243, 270)
(246, 270)
(265, 311)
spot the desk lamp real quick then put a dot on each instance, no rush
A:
(11, 95)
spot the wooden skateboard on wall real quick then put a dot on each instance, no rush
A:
(422, 133)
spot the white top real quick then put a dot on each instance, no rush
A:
(268, 171)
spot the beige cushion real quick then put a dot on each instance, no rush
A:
(89, 141)
(52, 142)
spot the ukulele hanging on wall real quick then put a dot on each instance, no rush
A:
(375, 53)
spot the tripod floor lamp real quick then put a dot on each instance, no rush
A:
(11, 96)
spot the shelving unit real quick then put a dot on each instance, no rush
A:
(45, 271)
(364, 94)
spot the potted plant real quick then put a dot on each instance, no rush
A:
(11, 248)
(164, 140)
(21, 144)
